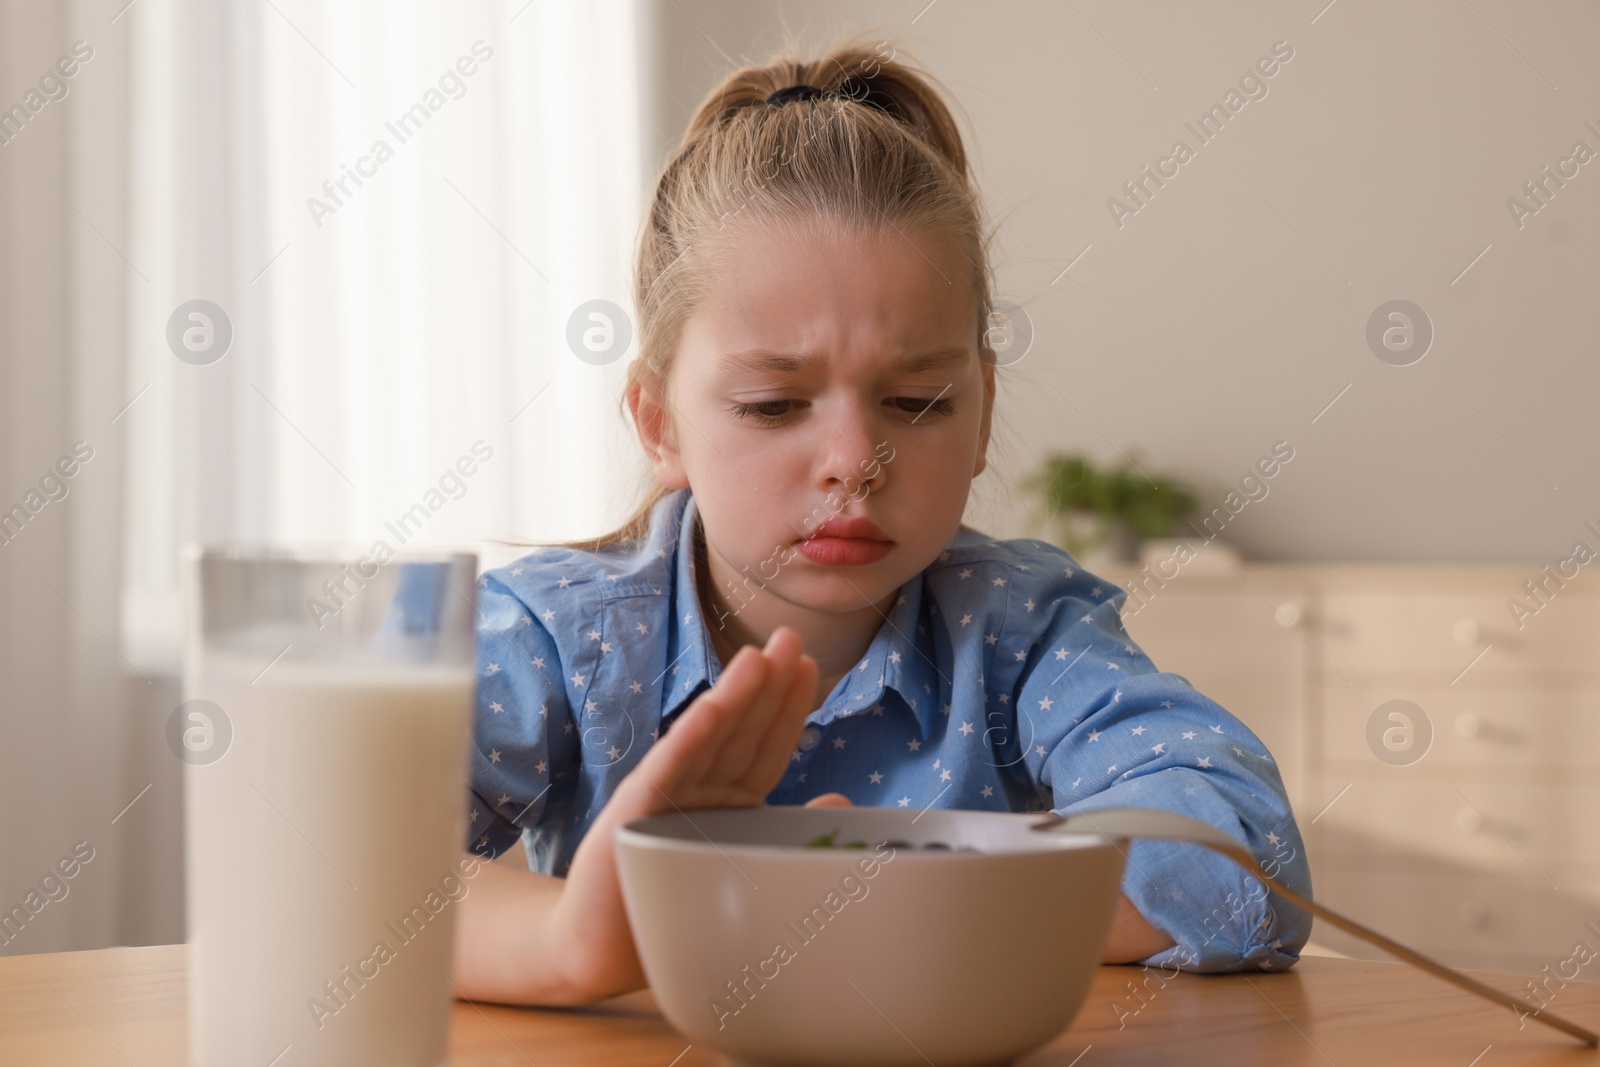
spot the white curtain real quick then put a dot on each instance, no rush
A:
(398, 206)
(65, 279)
(386, 337)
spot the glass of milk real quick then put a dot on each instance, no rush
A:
(325, 726)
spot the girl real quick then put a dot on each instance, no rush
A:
(798, 615)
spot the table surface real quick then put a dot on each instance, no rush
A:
(125, 1006)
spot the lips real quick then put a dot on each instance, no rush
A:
(842, 541)
(851, 529)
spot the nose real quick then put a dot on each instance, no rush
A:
(851, 465)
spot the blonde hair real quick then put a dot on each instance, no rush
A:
(877, 149)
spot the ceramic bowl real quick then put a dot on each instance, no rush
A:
(895, 954)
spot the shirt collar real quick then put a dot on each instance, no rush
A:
(900, 657)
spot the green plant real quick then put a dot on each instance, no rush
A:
(1072, 489)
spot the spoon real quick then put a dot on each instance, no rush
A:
(1123, 823)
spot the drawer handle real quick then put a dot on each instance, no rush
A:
(1288, 614)
(1470, 820)
(1466, 631)
(1469, 725)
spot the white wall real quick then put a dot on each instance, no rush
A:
(1232, 309)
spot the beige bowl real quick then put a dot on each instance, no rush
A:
(784, 956)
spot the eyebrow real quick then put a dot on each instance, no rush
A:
(786, 363)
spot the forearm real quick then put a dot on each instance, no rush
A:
(507, 949)
(1132, 936)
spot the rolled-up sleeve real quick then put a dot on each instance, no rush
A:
(1111, 730)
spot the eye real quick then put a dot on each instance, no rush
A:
(763, 412)
(921, 406)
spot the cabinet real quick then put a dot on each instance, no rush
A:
(1466, 828)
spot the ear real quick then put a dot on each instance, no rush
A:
(652, 419)
(986, 359)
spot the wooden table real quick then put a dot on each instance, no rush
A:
(125, 1006)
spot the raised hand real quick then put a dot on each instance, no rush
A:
(729, 749)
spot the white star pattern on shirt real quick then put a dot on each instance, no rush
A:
(1274, 839)
(946, 649)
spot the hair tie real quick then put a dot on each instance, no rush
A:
(794, 92)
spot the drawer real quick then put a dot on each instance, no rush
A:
(1441, 632)
(1500, 728)
(1467, 920)
(1544, 831)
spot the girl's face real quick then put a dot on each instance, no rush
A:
(828, 376)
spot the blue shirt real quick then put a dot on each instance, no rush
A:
(1002, 680)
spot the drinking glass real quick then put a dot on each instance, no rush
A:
(325, 726)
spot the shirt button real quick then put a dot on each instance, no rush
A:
(810, 739)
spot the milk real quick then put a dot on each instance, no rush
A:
(322, 854)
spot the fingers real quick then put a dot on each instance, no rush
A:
(690, 746)
(742, 744)
(782, 733)
(830, 800)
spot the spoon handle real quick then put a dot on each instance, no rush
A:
(1171, 826)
